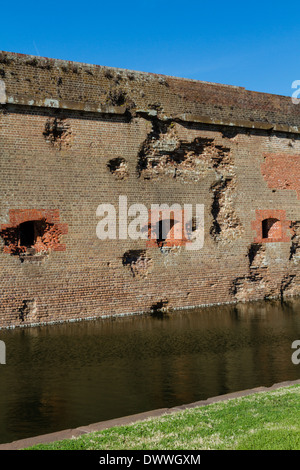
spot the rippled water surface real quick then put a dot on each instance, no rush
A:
(63, 376)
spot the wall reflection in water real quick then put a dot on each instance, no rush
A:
(64, 376)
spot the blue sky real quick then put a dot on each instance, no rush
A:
(250, 44)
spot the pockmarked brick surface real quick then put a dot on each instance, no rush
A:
(75, 136)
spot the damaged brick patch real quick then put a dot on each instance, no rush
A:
(260, 282)
(164, 154)
(160, 307)
(289, 286)
(257, 283)
(58, 133)
(254, 285)
(138, 262)
(295, 246)
(32, 231)
(28, 310)
(256, 255)
(118, 167)
(226, 224)
(116, 97)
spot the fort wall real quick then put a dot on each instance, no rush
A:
(73, 136)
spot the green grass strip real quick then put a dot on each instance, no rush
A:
(265, 420)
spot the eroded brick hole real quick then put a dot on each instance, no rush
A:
(288, 285)
(295, 246)
(28, 310)
(118, 167)
(159, 308)
(226, 224)
(256, 254)
(138, 262)
(116, 97)
(58, 132)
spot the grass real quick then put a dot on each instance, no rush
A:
(264, 421)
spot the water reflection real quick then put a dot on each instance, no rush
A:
(68, 375)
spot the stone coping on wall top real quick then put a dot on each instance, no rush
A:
(23, 100)
(127, 420)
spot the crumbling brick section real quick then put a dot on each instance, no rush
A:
(281, 171)
(28, 310)
(258, 283)
(138, 262)
(160, 307)
(58, 133)
(271, 226)
(256, 255)
(226, 224)
(163, 154)
(118, 167)
(32, 231)
(295, 246)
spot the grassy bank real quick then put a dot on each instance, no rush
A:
(266, 420)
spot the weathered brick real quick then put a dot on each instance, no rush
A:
(73, 136)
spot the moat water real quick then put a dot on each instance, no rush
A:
(68, 375)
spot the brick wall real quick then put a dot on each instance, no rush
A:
(74, 136)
